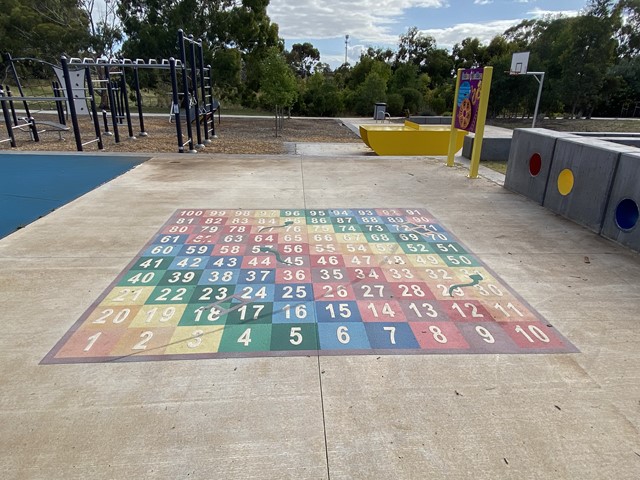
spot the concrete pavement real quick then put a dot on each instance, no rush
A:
(367, 417)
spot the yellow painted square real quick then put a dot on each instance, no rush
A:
(127, 296)
(109, 317)
(158, 315)
(195, 339)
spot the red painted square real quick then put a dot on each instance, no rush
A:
(373, 290)
(203, 239)
(179, 229)
(259, 261)
(411, 291)
(365, 274)
(326, 261)
(438, 336)
(381, 311)
(460, 310)
(333, 292)
(533, 335)
(228, 250)
(288, 275)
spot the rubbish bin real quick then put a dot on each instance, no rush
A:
(379, 111)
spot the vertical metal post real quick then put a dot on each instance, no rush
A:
(194, 79)
(7, 118)
(136, 82)
(112, 104)
(206, 109)
(12, 107)
(213, 119)
(185, 89)
(176, 103)
(17, 79)
(540, 81)
(125, 103)
(70, 103)
(94, 110)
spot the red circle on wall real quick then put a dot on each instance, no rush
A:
(535, 164)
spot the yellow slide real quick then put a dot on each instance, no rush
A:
(409, 139)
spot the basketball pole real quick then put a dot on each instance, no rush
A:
(540, 81)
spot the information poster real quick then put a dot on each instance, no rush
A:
(468, 101)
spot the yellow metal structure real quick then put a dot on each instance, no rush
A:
(410, 138)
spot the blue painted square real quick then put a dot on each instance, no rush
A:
(196, 250)
(391, 335)
(219, 277)
(189, 263)
(170, 239)
(340, 212)
(161, 251)
(254, 293)
(294, 293)
(343, 336)
(294, 312)
(223, 263)
(346, 311)
(368, 220)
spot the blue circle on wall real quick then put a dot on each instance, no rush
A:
(627, 214)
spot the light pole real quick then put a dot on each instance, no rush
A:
(346, 48)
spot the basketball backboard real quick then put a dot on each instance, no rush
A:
(519, 63)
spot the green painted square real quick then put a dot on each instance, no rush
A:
(164, 294)
(344, 221)
(379, 237)
(212, 293)
(374, 228)
(153, 263)
(416, 248)
(460, 260)
(246, 338)
(300, 336)
(449, 248)
(141, 278)
(347, 228)
(251, 313)
(292, 213)
(204, 315)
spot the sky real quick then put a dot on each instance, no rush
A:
(379, 23)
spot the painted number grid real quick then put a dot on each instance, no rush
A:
(224, 283)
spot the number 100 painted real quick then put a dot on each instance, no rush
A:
(229, 283)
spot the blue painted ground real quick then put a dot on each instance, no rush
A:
(33, 185)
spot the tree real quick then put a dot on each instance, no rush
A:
(45, 29)
(303, 58)
(322, 97)
(414, 47)
(629, 32)
(469, 54)
(588, 51)
(104, 27)
(278, 85)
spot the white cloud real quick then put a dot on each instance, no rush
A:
(539, 13)
(367, 20)
(447, 37)
(482, 2)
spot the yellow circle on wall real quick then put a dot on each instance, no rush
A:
(565, 182)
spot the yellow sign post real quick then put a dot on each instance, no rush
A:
(470, 111)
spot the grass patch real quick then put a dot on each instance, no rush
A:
(500, 167)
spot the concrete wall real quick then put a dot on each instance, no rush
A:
(431, 120)
(528, 147)
(592, 181)
(621, 218)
